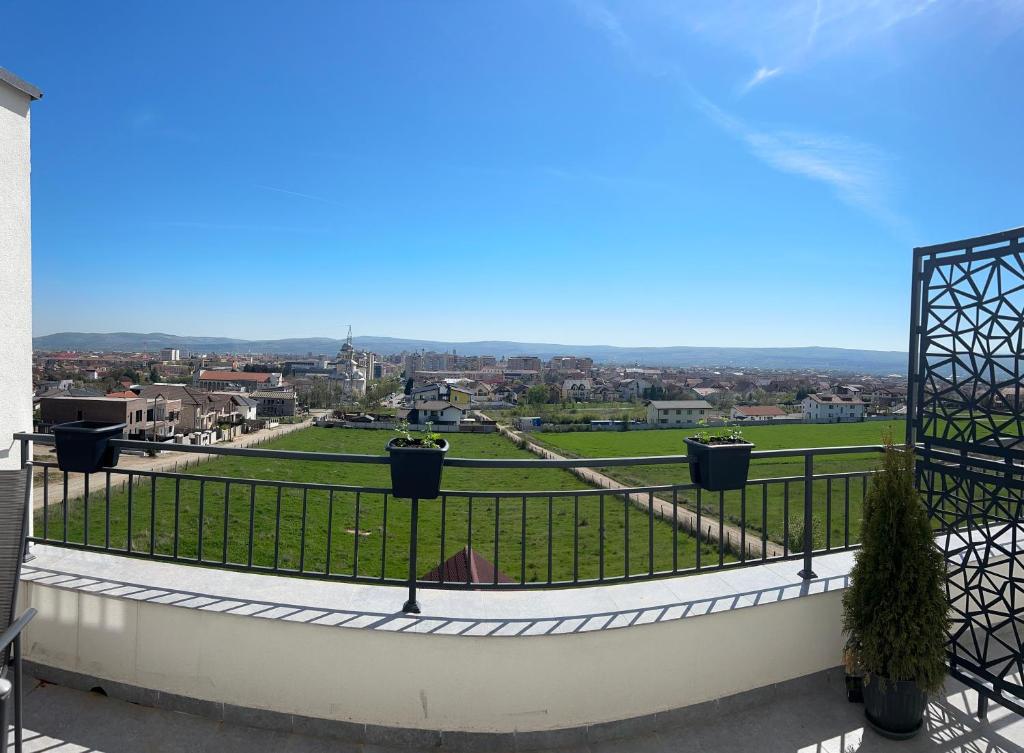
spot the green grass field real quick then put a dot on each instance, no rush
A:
(354, 525)
(749, 508)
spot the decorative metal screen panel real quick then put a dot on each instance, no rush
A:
(966, 353)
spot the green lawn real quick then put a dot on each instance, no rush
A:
(376, 548)
(748, 507)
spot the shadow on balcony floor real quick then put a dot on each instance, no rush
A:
(61, 720)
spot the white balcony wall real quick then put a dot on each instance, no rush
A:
(15, 272)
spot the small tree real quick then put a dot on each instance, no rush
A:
(895, 611)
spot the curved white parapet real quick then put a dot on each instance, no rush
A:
(481, 661)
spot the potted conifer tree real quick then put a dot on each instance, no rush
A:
(895, 611)
(416, 463)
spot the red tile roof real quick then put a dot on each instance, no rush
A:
(466, 566)
(125, 393)
(234, 376)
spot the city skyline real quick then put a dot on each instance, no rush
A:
(621, 173)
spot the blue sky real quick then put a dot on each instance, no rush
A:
(644, 172)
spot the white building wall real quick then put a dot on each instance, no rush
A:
(15, 273)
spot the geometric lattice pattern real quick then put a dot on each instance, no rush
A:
(967, 349)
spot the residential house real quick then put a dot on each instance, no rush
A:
(274, 403)
(144, 418)
(756, 413)
(437, 412)
(678, 412)
(632, 389)
(828, 408)
(576, 390)
(427, 392)
(235, 381)
(460, 396)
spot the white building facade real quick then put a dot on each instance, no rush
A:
(825, 408)
(679, 412)
(16, 97)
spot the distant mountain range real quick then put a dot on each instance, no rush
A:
(816, 358)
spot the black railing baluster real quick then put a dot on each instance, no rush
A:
(522, 544)
(152, 514)
(575, 538)
(846, 514)
(355, 539)
(700, 528)
(384, 541)
(444, 520)
(64, 507)
(497, 530)
(411, 606)
(675, 530)
(85, 511)
(764, 521)
(550, 536)
(252, 522)
(330, 530)
(807, 572)
(600, 540)
(202, 520)
(302, 533)
(785, 519)
(743, 524)
(224, 540)
(46, 502)
(277, 531)
(128, 542)
(650, 533)
(828, 514)
(721, 528)
(177, 507)
(469, 537)
(625, 535)
(106, 517)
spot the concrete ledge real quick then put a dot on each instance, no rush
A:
(549, 663)
(826, 681)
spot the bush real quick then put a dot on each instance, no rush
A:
(796, 534)
(895, 611)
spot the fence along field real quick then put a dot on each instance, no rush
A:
(784, 511)
(368, 533)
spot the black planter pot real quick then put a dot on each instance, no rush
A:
(84, 446)
(719, 467)
(894, 709)
(416, 471)
(855, 688)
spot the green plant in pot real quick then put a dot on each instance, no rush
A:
(417, 460)
(719, 459)
(895, 612)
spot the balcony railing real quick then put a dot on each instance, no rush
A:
(499, 539)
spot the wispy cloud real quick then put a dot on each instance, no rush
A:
(858, 173)
(761, 75)
(300, 195)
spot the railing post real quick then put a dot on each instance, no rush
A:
(807, 573)
(411, 606)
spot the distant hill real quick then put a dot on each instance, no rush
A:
(818, 358)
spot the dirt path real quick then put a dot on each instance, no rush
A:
(684, 517)
(169, 461)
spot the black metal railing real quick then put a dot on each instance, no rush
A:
(487, 539)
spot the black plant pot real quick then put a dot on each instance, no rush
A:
(855, 688)
(416, 471)
(719, 467)
(84, 446)
(894, 709)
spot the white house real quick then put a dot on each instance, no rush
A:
(756, 413)
(678, 412)
(426, 392)
(437, 412)
(633, 389)
(826, 408)
(577, 390)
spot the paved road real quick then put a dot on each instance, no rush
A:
(664, 509)
(169, 461)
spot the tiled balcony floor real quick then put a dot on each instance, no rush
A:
(60, 720)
